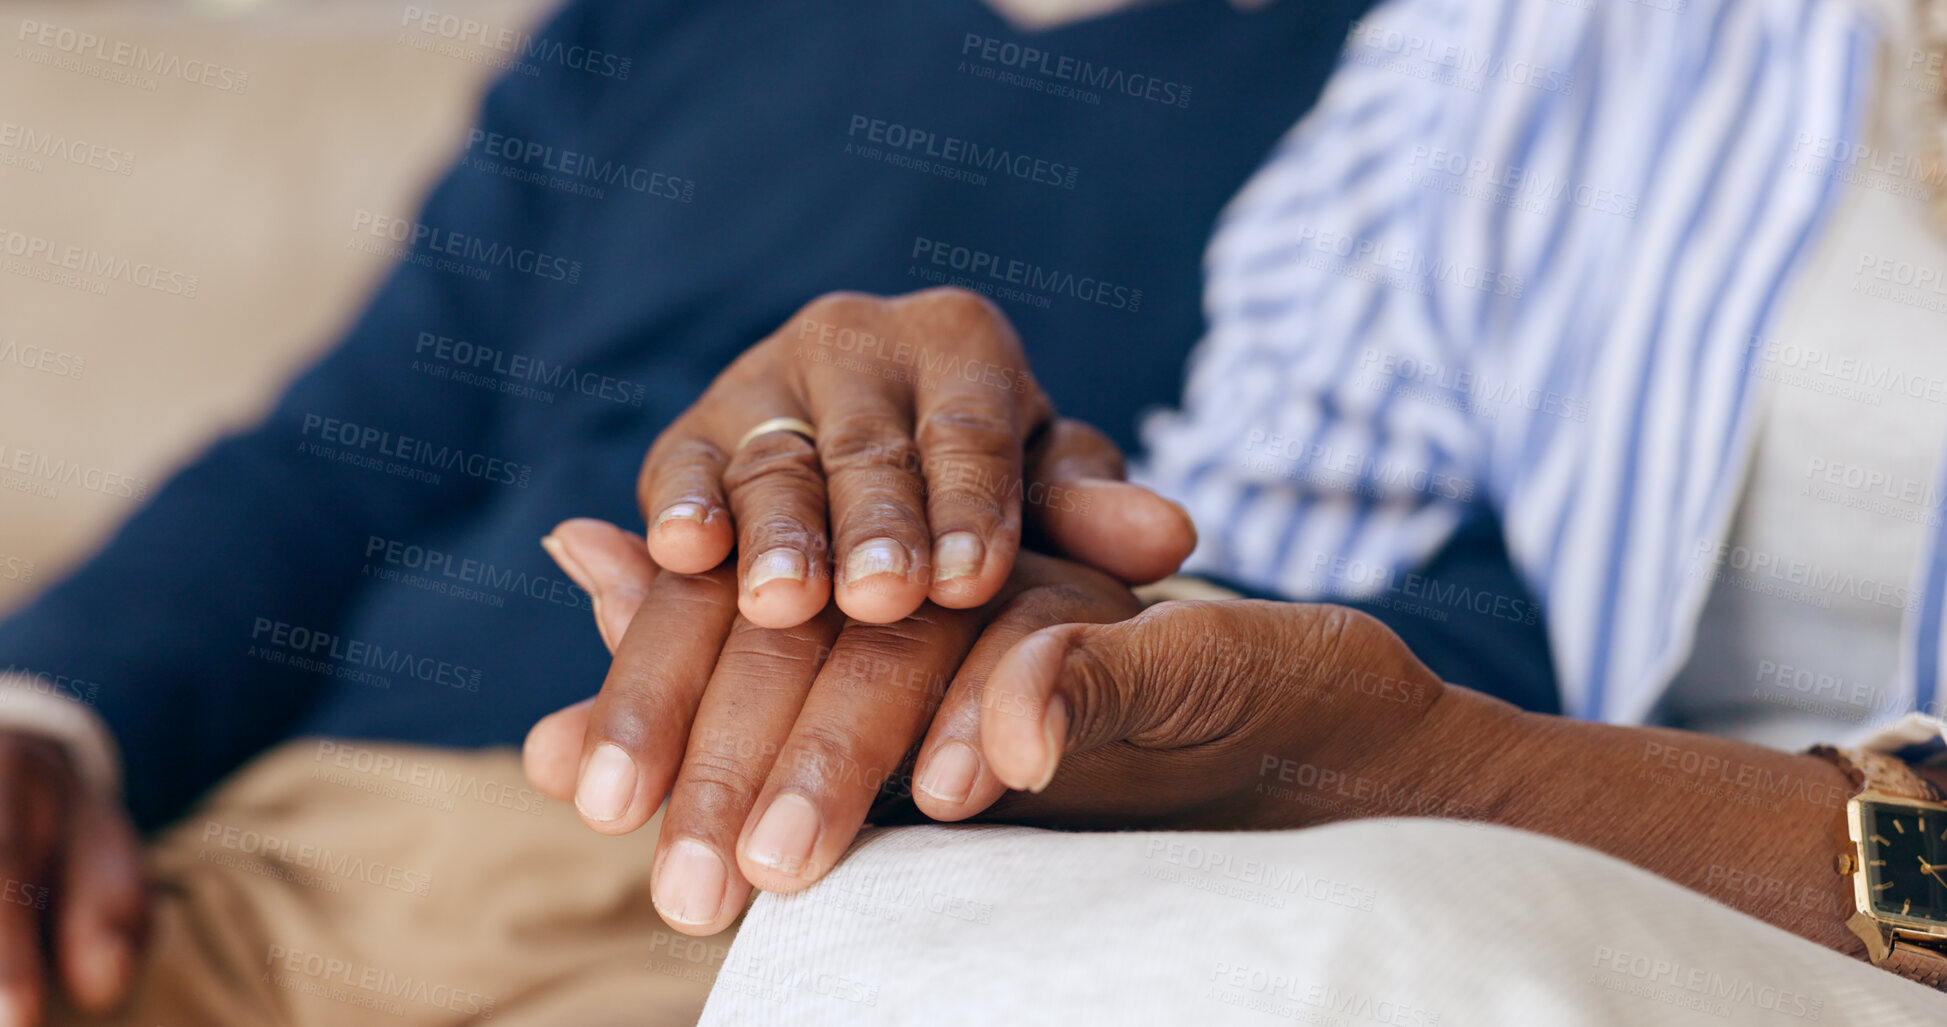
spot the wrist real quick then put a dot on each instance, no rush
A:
(1402, 744)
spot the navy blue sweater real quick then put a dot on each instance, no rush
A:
(654, 188)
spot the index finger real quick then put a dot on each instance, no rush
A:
(640, 720)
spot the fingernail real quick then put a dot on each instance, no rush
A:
(957, 555)
(680, 512)
(1054, 728)
(690, 888)
(785, 834)
(778, 564)
(568, 564)
(607, 784)
(949, 775)
(875, 556)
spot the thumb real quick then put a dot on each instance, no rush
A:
(104, 904)
(551, 755)
(610, 564)
(1178, 674)
(1087, 513)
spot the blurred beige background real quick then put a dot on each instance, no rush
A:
(249, 190)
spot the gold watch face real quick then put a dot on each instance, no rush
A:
(1904, 852)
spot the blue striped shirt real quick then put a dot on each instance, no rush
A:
(1518, 254)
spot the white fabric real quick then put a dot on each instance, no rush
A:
(1419, 923)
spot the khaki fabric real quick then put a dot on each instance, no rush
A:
(337, 883)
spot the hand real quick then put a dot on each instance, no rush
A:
(926, 418)
(1186, 715)
(72, 884)
(772, 744)
(1247, 715)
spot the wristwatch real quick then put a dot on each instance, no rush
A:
(1895, 850)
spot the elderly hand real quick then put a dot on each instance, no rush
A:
(771, 745)
(76, 895)
(926, 419)
(1197, 714)
(1273, 715)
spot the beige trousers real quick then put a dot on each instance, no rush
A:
(334, 883)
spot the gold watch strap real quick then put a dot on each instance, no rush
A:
(1878, 771)
(1917, 964)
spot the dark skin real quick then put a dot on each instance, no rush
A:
(934, 444)
(725, 717)
(75, 913)
(1212, 715)
(1265, 716)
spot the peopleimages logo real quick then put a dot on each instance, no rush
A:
(524, 45)
(987, 268)
(329, 646)
(572, 171)
(121, 54)
(513, 373)
(15, 568)
(60, 147)
(42, 359)
(479, 254)
(40, 250)
(954, 150)
(406, 450)
(47, 471)
(1030, 60)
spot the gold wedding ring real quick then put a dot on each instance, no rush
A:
(790, 424)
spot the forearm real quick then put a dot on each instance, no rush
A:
(1751, 827)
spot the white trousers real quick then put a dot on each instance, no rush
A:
(1411, 923)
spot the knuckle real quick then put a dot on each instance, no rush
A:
(781, 459)
(680, 461)
(729, 777)
(1090, 679)
(676, 451)
(762, 531)
(962, 308)
(704, 596)
(900, 640)
(1185, 694)
(1066, 600)
(868, 441)
(966, 424)
(980, 505)
(717, 743)
(821, 753)
(842, 306)
(1045, 606)
(777, 664)
(1330, 630)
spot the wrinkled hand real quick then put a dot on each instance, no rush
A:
(72, 885)
(1204, 714)
(771, 745)
(927, 418)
